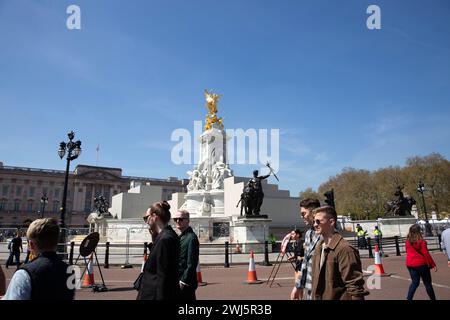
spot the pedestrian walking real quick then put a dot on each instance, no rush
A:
(298, 251)
(15, 247)
(445, 244)
(160, 277)
(303, 283)
(189, 256)
(419, 262)
(337, 271)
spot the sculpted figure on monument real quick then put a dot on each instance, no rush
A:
(196, 181)
(401, 206)
(101, 206)
(246, 201)
(220, 173)
(255, 193)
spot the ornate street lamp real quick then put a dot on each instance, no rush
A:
(421, 189)
(73, 150)
(44, 200)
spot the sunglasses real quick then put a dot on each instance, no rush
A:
(146, 218)
(317, 221)
(178, 219)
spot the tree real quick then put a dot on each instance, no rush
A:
(363, 194)
(309, 193)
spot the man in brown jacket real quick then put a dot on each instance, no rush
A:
(337, 272)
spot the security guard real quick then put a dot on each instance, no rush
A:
(377, 234)
(361, 238)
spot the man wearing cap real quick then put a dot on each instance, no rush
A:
(188, 256)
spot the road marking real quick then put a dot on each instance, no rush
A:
(434, 284)
(290, 278)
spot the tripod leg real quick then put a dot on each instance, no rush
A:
(271, 272)
(77, 259)
(99, 269)
(276, 272)
(85, 268)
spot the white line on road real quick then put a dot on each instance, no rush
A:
(434, 284)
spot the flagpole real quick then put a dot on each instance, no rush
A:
(98, 148)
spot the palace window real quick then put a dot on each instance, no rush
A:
(30, 206)
(5, 191)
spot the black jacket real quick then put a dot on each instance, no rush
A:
(189, 258)
(160, 279)
(49, 275)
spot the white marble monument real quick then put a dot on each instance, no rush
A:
(211, 198)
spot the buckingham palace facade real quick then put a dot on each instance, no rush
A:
(21, 190)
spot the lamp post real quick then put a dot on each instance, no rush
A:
(73, 150)
(44, 200)
(421, 189)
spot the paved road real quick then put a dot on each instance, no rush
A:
(227, 283)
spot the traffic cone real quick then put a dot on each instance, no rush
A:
(88, 280)
(144, 261)
(199, 276)
(379, 270)
(251, 274)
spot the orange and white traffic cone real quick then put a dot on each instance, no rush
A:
(199, 276)
(251, 274)
(144, 261)
(379, 270)
(88, 280)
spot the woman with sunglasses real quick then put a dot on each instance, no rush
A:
(160, 277)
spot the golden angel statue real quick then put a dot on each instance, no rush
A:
(212, 99)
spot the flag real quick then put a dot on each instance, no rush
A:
(98, 147)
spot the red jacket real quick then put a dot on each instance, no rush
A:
(418, 255)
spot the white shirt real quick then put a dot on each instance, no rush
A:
(20, 287)
(445, 242)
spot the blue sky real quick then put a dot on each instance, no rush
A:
(340, 94)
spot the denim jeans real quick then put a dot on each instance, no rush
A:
(417, 273)
(10, 259)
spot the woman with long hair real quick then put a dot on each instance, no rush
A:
(419, 262)
(160, 275)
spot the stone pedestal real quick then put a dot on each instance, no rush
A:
(209, 229)
(397, 225)
(203, 203)
(251, 232)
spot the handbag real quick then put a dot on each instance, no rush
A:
(137, 282)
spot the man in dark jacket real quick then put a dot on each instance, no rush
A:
(189, 254)
(160, 276)
(15, 248)
(47, 276)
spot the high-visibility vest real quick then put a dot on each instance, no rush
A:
(361, 233)
(377, 233)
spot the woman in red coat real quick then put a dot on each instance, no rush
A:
(419, 262)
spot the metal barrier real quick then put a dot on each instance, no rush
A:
(129, 252)
(106, 265)
(397, 247)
